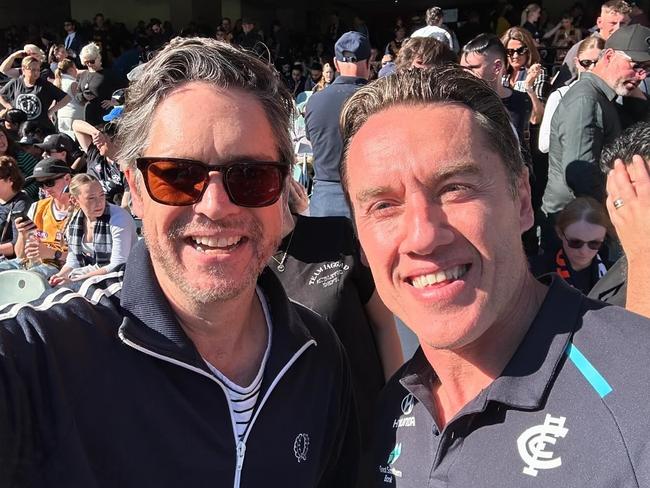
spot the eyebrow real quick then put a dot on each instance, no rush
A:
(451, 170)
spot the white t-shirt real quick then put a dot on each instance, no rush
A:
(437, 33)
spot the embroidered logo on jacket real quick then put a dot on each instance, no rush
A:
(534, 442)
(300, 447)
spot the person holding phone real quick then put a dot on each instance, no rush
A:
(12, 201)
(40, 246)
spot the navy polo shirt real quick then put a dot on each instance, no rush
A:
(570, 409)
(322, 125)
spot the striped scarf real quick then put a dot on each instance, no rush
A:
(102, 239)
(598, 268)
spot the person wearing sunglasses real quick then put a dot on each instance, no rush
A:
(191, 364)
(587, 57)
(582, 228)
(96, 85)
(588, 118)
(41, 245)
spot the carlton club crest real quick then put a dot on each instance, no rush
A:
(534, 444)
(300, 447)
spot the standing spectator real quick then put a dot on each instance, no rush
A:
(327, 79)
(434, 28)
(73, 41)
(26, 162)
(95, 85)
(56, 54)
(101, 36)
(65, 78)
(315, 76)
(38, 98)
(12, 199)
(582, 227)
(395, 45)
(529, 21)
(296, 83)
(587, 119)
(32, 50)
(249, 37)
(352, 53)
(100, 235)
(614, 14)
(587, 57)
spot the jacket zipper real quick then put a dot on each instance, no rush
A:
(240, 445)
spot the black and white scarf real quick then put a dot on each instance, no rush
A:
(102, 239)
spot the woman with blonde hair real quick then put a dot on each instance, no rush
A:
(100, 235)
(96, 85)
(56, 54)
(65, 78)
(325, 80)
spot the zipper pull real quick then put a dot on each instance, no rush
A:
(241, 451)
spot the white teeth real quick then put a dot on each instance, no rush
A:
(439, 277)
(216, 242)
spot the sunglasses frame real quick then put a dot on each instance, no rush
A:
(589, 62)
(51, 180)
(590, 244)
(143, 164)
(520, 51)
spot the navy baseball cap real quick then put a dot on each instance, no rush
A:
(352, 47)
(633, 40)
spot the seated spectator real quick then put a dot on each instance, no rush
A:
(100, 153)
(38, 98)
(582, 228)
(327, 78)
(12, 119)
(100, 235)
(30, 134)
(26, 162)
(296, 83)
(63, 147)
(315, 76)
(65, 78)
(41, 246)
(11, 200)
(626, 162)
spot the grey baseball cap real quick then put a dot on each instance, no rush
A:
(633, 40)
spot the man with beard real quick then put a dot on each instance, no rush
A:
(587, 119)
(188, 365)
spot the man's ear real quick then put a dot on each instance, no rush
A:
(136, 199)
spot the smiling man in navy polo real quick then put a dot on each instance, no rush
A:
(515, 383)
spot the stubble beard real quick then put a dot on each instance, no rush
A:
(224, 286)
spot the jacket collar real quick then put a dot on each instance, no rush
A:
(349, 80)
(150, 322)
(600, 84)
(530, 372)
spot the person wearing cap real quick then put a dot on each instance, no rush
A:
(249, 37)
(352, 61)
(26, 162)
(587, 119)
(41, 245)
(63, 147)
(100, 150)
(11, 119)
(38, 98)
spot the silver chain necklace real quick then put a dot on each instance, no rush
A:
(281, 261)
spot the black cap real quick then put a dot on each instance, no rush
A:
(633, 40)
(49, 168)
(352, 47)
(57, 142)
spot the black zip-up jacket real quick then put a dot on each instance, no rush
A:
(102, 388)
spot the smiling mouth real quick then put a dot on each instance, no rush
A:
(207, 244)
(441, 277)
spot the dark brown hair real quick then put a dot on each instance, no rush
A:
(584, 209)
(426, 51)
(9, 169)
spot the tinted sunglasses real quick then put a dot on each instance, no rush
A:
(587, 63)
(520, 51)
(578, 243)
(50, 183)
(89, 61)
(179, 182)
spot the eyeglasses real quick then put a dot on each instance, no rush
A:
(179, 182)
(50, 183)
(520, 51)
(639, 68)
(587, 63)
(578, 243)
(89, 61)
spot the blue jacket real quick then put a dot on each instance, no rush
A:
(102, 388)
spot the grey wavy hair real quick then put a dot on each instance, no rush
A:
(185, 60)
(437, 85)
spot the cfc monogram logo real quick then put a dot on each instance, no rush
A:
(534, 442)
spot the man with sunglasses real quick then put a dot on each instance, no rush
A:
(41, 245)
(587, 118)
(188, 366)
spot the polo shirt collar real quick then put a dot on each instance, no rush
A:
(599, 83)
(151, 323)
(350, 80)
(530, 372)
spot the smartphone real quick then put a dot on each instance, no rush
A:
(22, 214)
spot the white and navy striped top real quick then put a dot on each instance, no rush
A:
(244, 399)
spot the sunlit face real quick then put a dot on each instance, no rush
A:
(623, 78)
(60, 184)
(480, 65)
(517, 61)
(609, 22)
(91, 199)
(588, 56)
(31, 72)
(4, 144)
(6, 189)
(437, 221)
(328, 73)
(213, 250)
(583, 231)
(60, 54)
